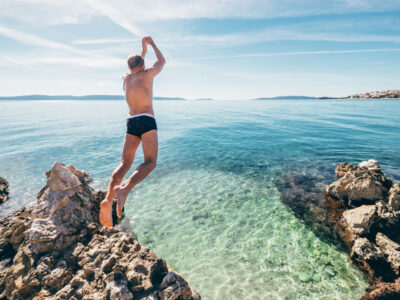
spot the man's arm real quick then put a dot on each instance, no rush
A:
(144, 47)
(159, 64)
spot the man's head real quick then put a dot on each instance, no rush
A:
(135, 62)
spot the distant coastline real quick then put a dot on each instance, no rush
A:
(85, 97)
(378, 95)
(383, 95)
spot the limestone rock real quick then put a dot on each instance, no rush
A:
(360, 219)
(386, 219)
(58, 250)
(385, 243)
(370, 164)
(394, 197)
(174, 287)
(365, 250)
(362, 211)
(359, 185)
(4, 190)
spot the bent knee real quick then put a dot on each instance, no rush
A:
(151, 163)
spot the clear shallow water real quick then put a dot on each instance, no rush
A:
(211, 208)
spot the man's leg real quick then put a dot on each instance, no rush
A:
(131, 144)
(150, 149)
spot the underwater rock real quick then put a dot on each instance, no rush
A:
(4, 190)
(58, 250)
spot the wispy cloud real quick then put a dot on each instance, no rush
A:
(30, 39)
(119, 16)
(148, 11)
(249, 37)
(102, 41)
(295, 53)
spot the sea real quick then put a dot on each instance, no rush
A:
(211, 208)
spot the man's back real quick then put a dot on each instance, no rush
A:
(139, 93)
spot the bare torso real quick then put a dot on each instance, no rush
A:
(139, 93)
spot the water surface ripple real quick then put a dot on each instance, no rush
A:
(211, 208)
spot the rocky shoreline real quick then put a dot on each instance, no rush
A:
(57, 249)
(4, 190)
(359, 212)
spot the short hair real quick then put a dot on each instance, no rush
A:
(134, 61)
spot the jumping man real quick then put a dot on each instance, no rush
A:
(141, 127)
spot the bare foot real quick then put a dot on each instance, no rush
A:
(121, 198)
(105, 214)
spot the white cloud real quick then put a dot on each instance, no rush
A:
(118, 15)
(29, 39)
(102, 41)
(138, 10)
(46, 12)
(296, 53)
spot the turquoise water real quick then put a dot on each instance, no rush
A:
(211, 208)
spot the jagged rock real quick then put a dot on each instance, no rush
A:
(358, 185)
(393, 257)
(383, 291)
(58, 250)
(385, 243)
(371, 164)
(365, 250)
(394, 197)
(4, 190)
(361, 211)
(360, 219)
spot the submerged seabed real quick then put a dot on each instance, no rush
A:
(211, 208)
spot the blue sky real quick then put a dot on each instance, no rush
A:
(227, 49)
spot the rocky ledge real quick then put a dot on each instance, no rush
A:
(58, 250)
(361, 211)
(3, 190)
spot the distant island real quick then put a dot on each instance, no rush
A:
(204, 99)
(286, 98)
(86, 97)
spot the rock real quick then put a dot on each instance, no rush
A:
(4, 190)
(361, 209)
(365, 250)
(393, 257)
(385, 243)
(174, 287)
(371, 164)
(58, 250)
(383, 290)
(359, 185)
(360, 219)
(394, 197)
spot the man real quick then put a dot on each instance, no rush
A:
(141, 127)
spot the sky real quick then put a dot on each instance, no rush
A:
(226, 49)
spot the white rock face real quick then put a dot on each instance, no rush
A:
(360, 219)
(371, 164)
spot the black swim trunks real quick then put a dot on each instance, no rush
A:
(140, 124)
